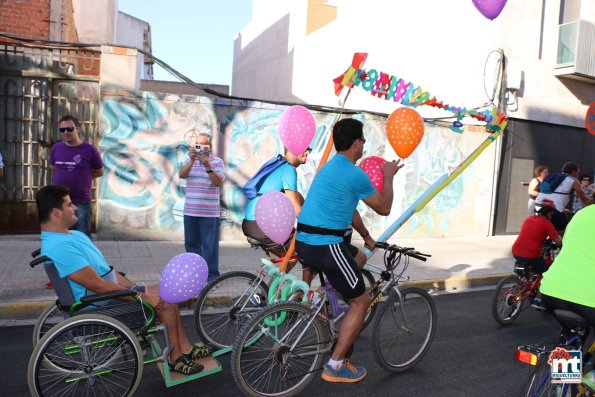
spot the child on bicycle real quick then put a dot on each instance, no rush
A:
(536, 229)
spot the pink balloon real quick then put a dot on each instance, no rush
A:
(490, 8)
(183, 277)
(296, 129)
(372, 167)
(275, 216)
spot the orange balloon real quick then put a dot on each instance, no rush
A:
(404, 131)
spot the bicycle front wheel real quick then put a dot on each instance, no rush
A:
(507, 301)
(225, 304)
(404, 329)
(278, 351)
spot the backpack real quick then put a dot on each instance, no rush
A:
(551, 183)
(250, 188)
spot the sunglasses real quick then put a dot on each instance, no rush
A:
(66, 129)
(309, 150)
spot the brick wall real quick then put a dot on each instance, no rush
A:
(27, 18)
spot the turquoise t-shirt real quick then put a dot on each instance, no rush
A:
(283, 178)
(333, 198)
(72, 252)
(572, 275)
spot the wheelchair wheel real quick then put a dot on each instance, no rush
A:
(49, 317)
(86, 355)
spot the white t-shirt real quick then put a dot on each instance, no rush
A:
(560, 196)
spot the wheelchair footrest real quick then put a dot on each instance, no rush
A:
(211, 366)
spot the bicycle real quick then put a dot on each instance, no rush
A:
(225, 304)
(514, 292)
(573, 336)
(278, 358)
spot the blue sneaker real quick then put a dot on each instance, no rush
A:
(347, 373)
(536, 304)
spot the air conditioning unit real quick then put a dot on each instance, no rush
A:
(576, 51)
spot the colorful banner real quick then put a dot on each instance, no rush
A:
(393, 88)
(436, 188)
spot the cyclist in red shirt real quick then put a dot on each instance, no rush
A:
(534, 231)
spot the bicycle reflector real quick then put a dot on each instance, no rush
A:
(526, 357)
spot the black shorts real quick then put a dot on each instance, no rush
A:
(538, 265)
(552, 303)
(337, 262)
(251, 229)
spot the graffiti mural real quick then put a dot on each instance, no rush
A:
(144, 142)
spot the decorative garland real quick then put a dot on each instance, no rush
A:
(389, 87)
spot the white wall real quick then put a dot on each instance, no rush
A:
(439, 45)
(95, 20)
(130, 32)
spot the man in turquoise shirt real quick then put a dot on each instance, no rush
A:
(76, 257)
(328, 210)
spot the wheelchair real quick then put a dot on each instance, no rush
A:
(83, 349)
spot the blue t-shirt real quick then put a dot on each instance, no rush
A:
(72, 252)
(332, 199)
(283, 178)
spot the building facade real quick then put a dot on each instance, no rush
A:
(536, 61)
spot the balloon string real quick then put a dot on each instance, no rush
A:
(323, 160)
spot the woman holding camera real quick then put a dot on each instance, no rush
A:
(204, 179)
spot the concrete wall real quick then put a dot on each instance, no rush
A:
(144, 143)
(446, 49)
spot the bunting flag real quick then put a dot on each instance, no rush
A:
(347, 79)
(393, 88)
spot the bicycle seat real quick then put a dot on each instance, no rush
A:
(570, 319)
(255, 243)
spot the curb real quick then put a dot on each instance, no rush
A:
(20, 310)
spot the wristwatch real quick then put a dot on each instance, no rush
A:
(209, 171)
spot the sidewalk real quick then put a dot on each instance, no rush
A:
(456, 264)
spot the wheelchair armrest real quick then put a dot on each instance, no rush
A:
(36, 252)
(87, 300)
(41, 259)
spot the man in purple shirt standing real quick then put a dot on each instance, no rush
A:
(74, 164)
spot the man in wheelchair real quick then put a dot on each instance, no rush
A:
(76, 257)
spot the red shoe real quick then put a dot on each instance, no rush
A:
(49, 285)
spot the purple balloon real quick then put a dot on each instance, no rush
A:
(183, 277)
(490, 8)
(275, 216)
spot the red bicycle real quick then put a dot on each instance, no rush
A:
(514, 293)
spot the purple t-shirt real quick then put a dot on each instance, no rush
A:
(72, 168)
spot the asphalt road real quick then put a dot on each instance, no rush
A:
(471, 355)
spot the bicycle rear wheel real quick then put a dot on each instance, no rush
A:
(507, 302)
(404, 329)
(225, 304)
(278, 359)
(539, 383)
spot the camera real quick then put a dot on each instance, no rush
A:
(202, 149)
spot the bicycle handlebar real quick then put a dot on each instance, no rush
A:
(405, 251)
